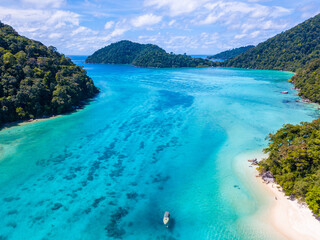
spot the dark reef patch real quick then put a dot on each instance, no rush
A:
(169, 99)
(12, 224)
(55, 160)
(10, 199)
(109, 152)
(113, 229)
(56, 206)
(12, 212)
(132, 196)
(97, 201)
(159, 178)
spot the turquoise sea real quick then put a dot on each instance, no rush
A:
(153, 140)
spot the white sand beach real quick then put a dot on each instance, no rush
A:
(292, 220)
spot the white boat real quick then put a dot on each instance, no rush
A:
(166, 218)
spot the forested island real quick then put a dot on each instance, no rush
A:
(294, 150)
(36, 80)
(230, 53)
(144, 55)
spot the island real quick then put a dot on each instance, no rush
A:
(144, 55)
(36, 80)
(230, 53)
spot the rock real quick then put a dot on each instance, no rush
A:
(253, 161)
(268, 177)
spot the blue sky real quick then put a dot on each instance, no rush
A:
(191, 26)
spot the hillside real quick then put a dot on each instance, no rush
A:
(290, 51)
(231, 53)
(307, 81)
(37, 80)
(143, 55)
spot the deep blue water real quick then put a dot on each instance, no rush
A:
(154, 140)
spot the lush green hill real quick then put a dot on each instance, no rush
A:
(291, 50)
(307, 81)
(36, 80)
(144, 55)
(294, 160)
(231, 53)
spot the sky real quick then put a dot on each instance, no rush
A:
(80, 27)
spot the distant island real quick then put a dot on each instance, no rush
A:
(36, 80)
(230, 53)
(293, 151)
(144, 55)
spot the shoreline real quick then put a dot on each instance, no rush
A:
(27, 122)
(290, 219)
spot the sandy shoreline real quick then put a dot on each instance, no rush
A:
(290, 219)
(26, 122)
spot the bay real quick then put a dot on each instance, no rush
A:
(153, 140)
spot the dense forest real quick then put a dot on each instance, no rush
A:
(37, 80)
(307, 81)
(294, 160)
(291, 50)
(144, 55)
(230, 53)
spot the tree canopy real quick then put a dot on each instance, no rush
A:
(307, 81)
(37, 80)
(144, 55)
(294, 160)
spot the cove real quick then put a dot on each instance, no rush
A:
(154, 140)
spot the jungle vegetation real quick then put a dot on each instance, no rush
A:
(36, 80)
(144, 55)
(294, 160)
(307, 81)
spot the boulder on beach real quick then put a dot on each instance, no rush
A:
(267, 176)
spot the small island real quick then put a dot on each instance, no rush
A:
(144, 55)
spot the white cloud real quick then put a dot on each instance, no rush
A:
(172, 22)
(53, 27)
(176, 7)
(115, 33)
(55, 35)
(108, 25)
(146, 20)
(118, 32)
(83, 31)
(229, 11)
(44, 3)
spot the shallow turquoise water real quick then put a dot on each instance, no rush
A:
(153, 140)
